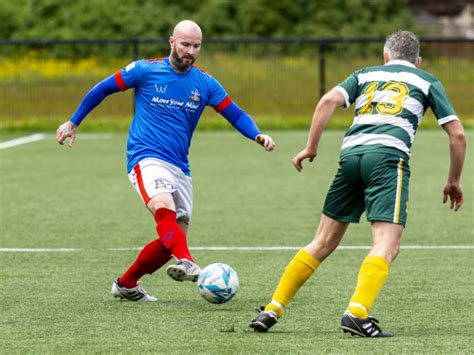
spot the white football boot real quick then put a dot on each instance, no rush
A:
(184, 270)
(136, 293)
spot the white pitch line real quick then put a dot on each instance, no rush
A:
(22, 140)
(37, 250)
(85, 136)
(94, 136)
(40, 136)
(236, 248)
(438, 247)
(342, 247)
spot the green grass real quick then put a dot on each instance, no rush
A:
(55, 197)
(210, 121)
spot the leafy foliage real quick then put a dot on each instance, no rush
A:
(60, 19)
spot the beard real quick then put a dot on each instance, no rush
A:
(179, 63)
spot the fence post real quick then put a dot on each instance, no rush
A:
(135, 54)
(322, 68)
(135, 49)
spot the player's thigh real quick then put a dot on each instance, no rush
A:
(345, 198)
(386, 193)
(155, 181)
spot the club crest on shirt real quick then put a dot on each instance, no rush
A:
(195, 95)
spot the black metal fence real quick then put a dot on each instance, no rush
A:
(269, 77)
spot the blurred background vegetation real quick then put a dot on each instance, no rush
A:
(276, 76)
(92, 19)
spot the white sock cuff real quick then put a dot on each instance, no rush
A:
(358, 305)
(278, 304)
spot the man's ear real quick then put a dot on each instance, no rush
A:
(418, 62)
(386, 57)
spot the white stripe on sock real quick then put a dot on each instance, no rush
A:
(358, 305)
(278, 304)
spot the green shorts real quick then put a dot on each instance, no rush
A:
(376, 183)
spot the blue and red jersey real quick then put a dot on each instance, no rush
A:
(168, 106)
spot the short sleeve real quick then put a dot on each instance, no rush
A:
(216, 93)
(129, 76)
(440, 104)
(348, 89)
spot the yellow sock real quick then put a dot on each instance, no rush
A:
(372, 275)
(296, 273)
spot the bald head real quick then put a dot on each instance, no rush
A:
(187, 28)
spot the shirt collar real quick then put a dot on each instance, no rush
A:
(401, 62)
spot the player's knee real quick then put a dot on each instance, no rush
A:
(164, 200)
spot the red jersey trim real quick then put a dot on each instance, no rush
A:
(119, 81)
(156, 59)
(200, 69)
(223, 104)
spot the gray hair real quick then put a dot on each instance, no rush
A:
(402, 45)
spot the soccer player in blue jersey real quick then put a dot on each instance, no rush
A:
(170, 96)
(390, 101)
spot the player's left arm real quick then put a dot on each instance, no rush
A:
(457, 149)
(244, 123)
(447, 118)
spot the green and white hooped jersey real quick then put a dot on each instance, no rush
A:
(390, 101)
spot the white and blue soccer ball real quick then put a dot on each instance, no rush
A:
(218, 283)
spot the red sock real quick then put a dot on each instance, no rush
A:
(171, 235)
(153, 256)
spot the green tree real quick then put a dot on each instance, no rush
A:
(155, 18)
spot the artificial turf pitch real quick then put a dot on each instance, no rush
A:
(58, 301)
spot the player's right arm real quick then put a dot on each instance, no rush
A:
(119, 81)
(93, 98)
(321, 117)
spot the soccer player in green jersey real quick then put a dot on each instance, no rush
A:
(373, 174)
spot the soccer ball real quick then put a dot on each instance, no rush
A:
(218, 283)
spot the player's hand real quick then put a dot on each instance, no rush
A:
(66, 130)
(304, 154)
(454, 191)
(265, 141)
